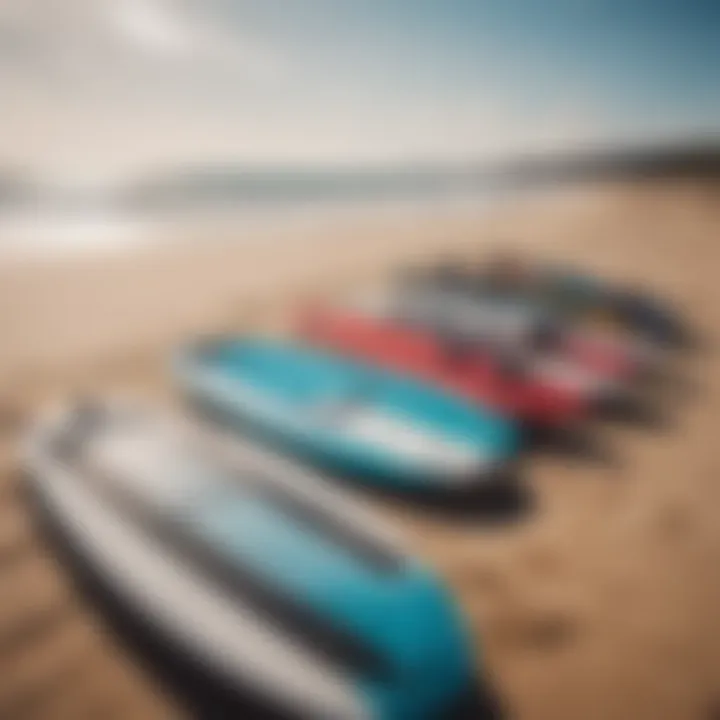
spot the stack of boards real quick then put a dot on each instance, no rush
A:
(260, 572)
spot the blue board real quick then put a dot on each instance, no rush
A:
(383, 426)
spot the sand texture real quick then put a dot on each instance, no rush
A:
(601, 601)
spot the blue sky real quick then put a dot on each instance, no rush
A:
(103, 85)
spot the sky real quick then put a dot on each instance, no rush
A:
(91, 89)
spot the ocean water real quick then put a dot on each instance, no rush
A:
(242, 202)
(55, 231)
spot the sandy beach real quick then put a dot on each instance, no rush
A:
(600, 603)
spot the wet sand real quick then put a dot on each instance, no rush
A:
(601, 601)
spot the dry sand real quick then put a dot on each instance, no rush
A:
(602, 602)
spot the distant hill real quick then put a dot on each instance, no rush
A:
(700, 160)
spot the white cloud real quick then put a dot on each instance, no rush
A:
(181, 32)
(126, 83)
(140, 43)
(151, 25)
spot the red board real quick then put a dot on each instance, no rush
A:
(475, 375)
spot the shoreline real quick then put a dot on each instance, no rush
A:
(56, 312)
